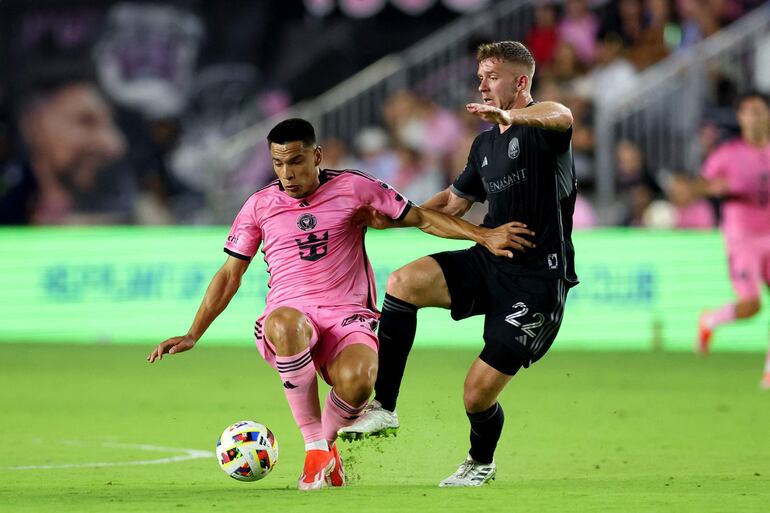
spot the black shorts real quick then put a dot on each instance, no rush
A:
(522, 314)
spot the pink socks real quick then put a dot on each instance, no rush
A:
(301, 388)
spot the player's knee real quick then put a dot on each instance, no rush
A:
(355, 383)
(288, 330)
(403, 283)
(476, 399)
(748, 308)
(398, 284)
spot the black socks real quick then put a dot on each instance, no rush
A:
(486, 427)
(398, 324)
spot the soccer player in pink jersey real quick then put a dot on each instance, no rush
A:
(320, 315)
(739, 172)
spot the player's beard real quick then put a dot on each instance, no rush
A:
(509, 105)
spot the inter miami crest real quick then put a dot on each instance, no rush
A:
(306, 222)
(513, 148)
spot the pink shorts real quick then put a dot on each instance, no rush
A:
(749, 265)
(334, 329)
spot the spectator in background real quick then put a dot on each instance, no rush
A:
(613, 75)
(631, 28)
(636, 186)
(377, 158)
(415, 178)
(583, 143)
(579, 27)
(418, 122)
(71, 175)
(651, 46)
(691, 211)
(566, 69)
(442, 132)
(397, 111)
(639, 199)
(683, 207)
(698, 21)
(660, 16)
(543, 36)
(709, 136)
(584, 216)
(578, 100)
(336, 155)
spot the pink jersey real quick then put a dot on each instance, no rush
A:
(314, 254)
(747, 171)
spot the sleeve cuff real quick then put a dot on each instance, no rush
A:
(463, 195)
(406, 210)
(237, 255)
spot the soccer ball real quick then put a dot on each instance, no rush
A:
(247, 451)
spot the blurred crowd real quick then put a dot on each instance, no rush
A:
(587, 58)
(590, 58)
(100, 146)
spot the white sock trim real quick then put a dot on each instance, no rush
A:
(320, 445)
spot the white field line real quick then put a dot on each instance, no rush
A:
(188, 454)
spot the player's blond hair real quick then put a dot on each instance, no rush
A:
(508, 51)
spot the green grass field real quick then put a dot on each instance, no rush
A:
(584, 432)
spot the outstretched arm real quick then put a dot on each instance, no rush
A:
(445, 202)
(547, 115)
(448, 203)
(498, 240)
(220, 291)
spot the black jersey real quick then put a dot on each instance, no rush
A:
(526, 174)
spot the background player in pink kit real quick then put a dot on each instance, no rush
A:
(320, 314)
(739, 172)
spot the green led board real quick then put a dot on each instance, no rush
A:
(639, 289)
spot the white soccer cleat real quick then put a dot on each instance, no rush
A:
(471, 473)
(374, 421)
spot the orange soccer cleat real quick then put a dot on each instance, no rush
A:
(704, 336)
(765, 383)
(337, 475)
(319, 465)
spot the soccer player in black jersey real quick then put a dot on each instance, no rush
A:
(523, 168)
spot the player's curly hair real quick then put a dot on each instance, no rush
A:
(509, 51)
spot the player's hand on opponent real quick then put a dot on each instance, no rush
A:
(490, 113)
(370, 217)
(172, 345)
(499, 241)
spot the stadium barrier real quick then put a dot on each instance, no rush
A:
(640, 290)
